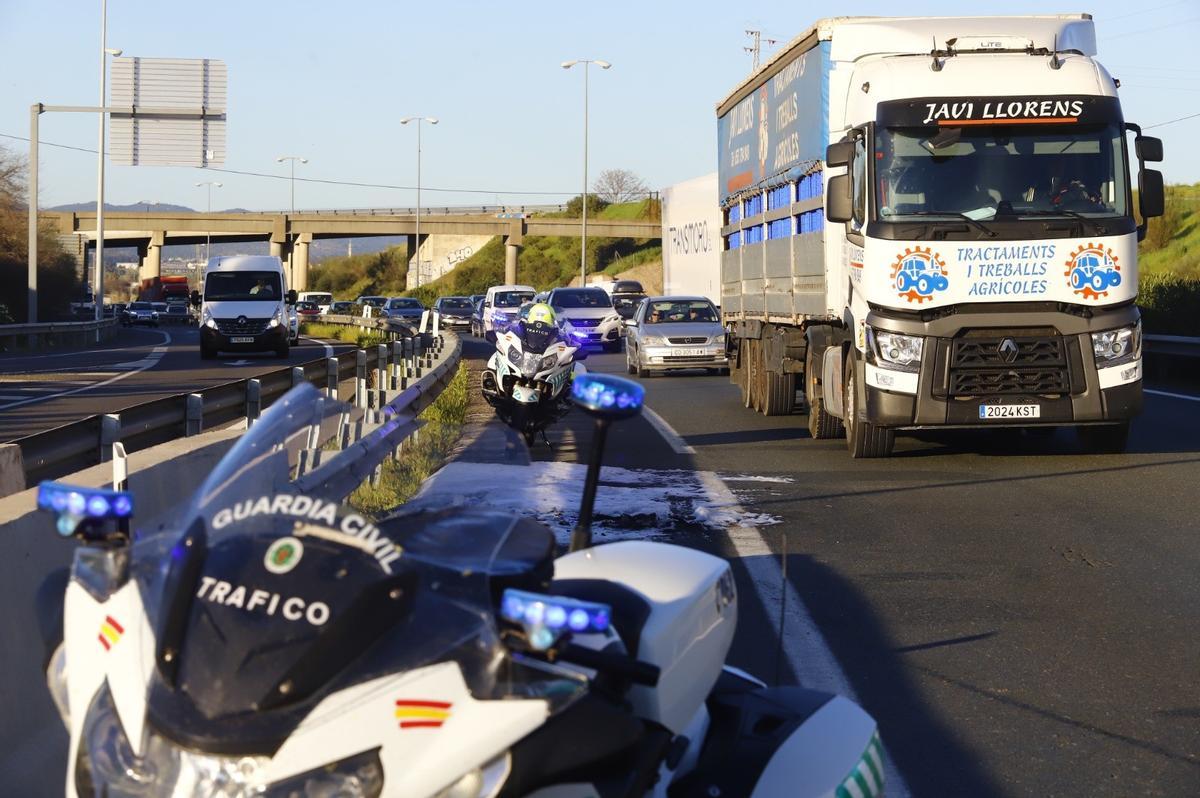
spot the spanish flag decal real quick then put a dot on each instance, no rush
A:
(110, 632)
(422, 714)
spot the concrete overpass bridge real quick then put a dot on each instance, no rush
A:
(290, 234)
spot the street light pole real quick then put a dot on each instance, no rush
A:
(583, 237)
(208, 234)
(433, 121)
(98, 277)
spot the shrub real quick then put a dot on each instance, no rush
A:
(1170, 304)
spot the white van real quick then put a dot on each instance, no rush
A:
(501, 305)
(322, 299)
(245, 306)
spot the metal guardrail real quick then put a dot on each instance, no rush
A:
(16, 337)
(456, 210)
(379, 374)
(1172, 345)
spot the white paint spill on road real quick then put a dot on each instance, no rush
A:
(755, 478)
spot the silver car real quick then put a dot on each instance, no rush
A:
(588, 314)
(675, 332)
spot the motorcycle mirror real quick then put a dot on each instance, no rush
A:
(78, 507)
(607, 398)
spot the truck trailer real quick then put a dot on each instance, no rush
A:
(928, 223)
(168, 288)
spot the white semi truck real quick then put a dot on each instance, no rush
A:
(930, 222)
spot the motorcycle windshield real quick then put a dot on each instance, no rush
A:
(537, 336)
(266, 599)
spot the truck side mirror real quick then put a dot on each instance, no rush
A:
(839, 205)
(1150, 195)
(195, 299)
(839, 154)
(1148, 148)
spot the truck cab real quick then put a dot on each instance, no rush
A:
(245, 306)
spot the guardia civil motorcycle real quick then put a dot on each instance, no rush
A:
(274, 642)
(528, 378)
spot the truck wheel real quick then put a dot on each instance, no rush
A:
(822, 425)
(1104, 439)
(753, 393)
(779, 396)
(863, 439)
(743, 380)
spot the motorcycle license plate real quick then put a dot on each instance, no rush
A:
(241, 340)
(989, 412)
(690, 352)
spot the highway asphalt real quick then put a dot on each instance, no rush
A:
(1019, 617)
(42, 391)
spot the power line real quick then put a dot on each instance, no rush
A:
(1142, 12)
(1173, 24)
(1171, 121)
(321, 180)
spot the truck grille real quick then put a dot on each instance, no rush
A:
(242, 326)
(695, 339)
(999, 365)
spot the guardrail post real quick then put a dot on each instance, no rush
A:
(110, 433)
(331, 377)
(437, 324)
(418, 354)
(195, 414)
(253, 401)
(381, 374)
(120, 467)
(297, 375)
(397, 359)
(360, 379)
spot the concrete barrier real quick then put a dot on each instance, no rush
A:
(12, 469)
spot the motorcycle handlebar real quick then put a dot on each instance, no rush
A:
(621, 665)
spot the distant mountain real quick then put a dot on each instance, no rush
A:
(135, 207)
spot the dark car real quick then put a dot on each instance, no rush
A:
(477, 316)
(626, 296)
(403, 308)
(115, 310)
(455, 311)
(341, 308)
(140, 313)
(176, 313)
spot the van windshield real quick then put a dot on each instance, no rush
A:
(242, 287)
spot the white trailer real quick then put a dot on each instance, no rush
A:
(691, 227)
(930, 222)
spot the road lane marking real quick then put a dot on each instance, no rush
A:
(807, 652)
(673, 438)
(148, 362)
(1170, 395)
(328, 348)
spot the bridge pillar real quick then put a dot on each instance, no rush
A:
(150, 256)
(300, 261)
(412, 251)
(281, 248)
(511, 249)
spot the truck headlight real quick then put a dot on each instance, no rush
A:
(896, 351)
(1114, 347)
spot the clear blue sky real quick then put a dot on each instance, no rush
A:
(331, 80)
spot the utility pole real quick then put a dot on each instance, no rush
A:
(583, 211)
(756, 48)
(433, 121)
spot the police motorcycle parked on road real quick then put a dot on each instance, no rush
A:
(274, 642)
(528, 378)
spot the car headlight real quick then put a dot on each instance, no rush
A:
(896, 351)
(610, 318)
(1114, 347)
(107, 765)
(154, 314)
(653, 340)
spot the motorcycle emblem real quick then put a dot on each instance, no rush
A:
(918, 273)
(110, 632)
(422, 714)
(1008, 350)
(1091, 270)
(283, 555)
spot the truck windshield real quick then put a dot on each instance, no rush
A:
(1000, 170)
(242, 287)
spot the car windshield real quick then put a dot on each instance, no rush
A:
(992, 170)
(374, 301)
(511, 299)
(678, 311)
(245, 286)
(627, 287)
(320, 299)
(582, 298)
(140, 306)
(455, 303)
(406, 303)
(306, 306)
(176, 309)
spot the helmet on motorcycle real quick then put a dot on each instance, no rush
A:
(541, 312)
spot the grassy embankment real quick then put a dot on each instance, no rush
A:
(1169, 261)
(401, 478)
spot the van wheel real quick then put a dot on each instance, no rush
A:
(863, 439)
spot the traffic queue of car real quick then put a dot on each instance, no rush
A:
(657, 333)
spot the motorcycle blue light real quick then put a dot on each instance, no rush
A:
(606, 395)
(75, 503)
(545, 618)
(578, 620)
(97, 507)
(556, 617)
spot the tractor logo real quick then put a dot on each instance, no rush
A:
(1092, 270)
(919, 273)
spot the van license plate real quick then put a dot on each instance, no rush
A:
(241, 340)
(1010, 411)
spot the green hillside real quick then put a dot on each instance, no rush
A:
(1169, 262)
